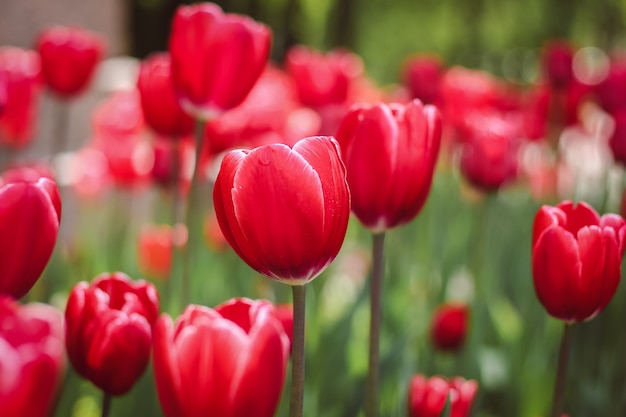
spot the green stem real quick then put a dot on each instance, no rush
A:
(561, 373)
(296, 405)
(371, 385)
(192, 198)
(106, 404)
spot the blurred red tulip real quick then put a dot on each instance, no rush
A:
(617, 141)
(216, 58)
(172, 161)
(576, 259)
(428, 396)
(284, 211)
(119, 132)
(422, 75)
(263, 118)
(3, 92)
(557, 60)
(284, 312)
(30, 213)
(448, 328)
(242, 352)
(89, 172)
(322, 79)
(69, 56)
(108, 332)
(611, 92)
(159, 101)
(390, 153)
(464, 91)
(21, 71)
(489, 151)
(155, 245)
(31, 358)
(213, 234)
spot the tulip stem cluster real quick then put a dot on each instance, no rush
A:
(106, 404)
(191, 203)
(296, 404)
(561, 373)
(371, 388)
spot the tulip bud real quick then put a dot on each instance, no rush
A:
(576, 259)
(242, 351)
(30, 214)
(108, 331)
(284, 211)
(31, 358)
(448, 327)
(216, 58)
(69, 57)
(390, 153)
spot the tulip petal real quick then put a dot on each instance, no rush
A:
(167, 374)
(323, 154)
(547, 216)
(592, 247)
(578, 216)
(556, 272)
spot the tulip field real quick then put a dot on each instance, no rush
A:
(245, 237)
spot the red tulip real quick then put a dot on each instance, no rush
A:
(223, 362)
(576, 259)
(159, 100)
(489, 152)
(428, 396)
(31, 358)
(119, 129)
(617, 141)
(284, 312)
(21, 70)
(172, 161)
(448, 328)
(3, 92)
(216, 58)
(269, 114)
(284, 211)
(611, 92)
(322, 79)
(155, 245)
(390, 153)
(30, 213)
(557, 64)
(422, 76)
(69, 56)
(108, 330)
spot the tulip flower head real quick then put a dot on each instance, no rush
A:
(428, 396)
(30, 214)
(21, 71)
(108, 332)
(159, 101)
(284, 210)
(155, 245)
(216, 58)
(448, 328)
(390, 153)
(576, 259)
(224, 362)
(558, 57)
(422, 76)
(31, 358)
(69, 56)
